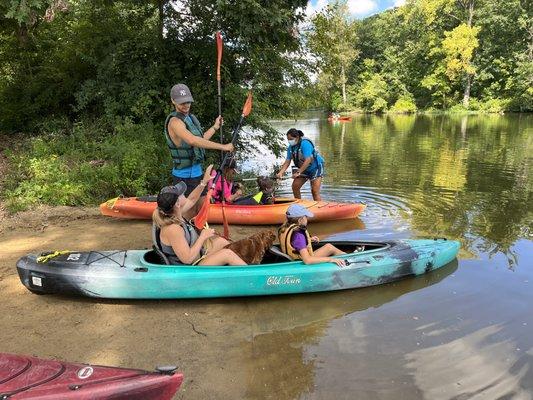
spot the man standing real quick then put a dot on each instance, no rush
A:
(187, 141)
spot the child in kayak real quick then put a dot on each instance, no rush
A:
(226, 187)
(295, 240)
(233, 191)
(178, 239)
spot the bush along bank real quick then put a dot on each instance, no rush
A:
(86, 164)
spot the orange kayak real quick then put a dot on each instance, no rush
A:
(271, 214)
(332, 119)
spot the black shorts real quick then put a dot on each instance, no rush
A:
(191, 183)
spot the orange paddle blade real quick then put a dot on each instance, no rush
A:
(219, 53)
(201, 217)
(225, 223)
(247, 105)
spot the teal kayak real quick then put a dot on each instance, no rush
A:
(138, 274)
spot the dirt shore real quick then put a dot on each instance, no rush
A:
(225, 347)
(206, 339)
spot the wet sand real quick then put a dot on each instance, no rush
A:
(200, 337)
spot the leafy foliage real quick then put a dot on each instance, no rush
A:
(332, 41)
(119, 59)
(459, 45)
(437, 54)
(88, 165)
(96, 75)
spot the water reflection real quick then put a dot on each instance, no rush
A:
(461, 339)
(284, 327)
(466, 336)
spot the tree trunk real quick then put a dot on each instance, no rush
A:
(343, 81)
(22, 35)
(161, 7)
(466, 96)
(470, 12)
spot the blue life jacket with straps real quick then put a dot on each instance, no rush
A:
(185, 155)
(298, 158)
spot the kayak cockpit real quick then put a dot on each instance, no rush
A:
(153, 199)
(275, 256)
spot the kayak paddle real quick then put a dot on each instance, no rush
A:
(219, 90)
(201, 217)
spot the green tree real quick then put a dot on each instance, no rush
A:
(111, 59)
(459, 45)
(332, 40)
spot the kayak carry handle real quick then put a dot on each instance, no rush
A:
(166, 369)
(357, 262)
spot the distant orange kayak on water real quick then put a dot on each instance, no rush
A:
(345, 119)
(269, 214)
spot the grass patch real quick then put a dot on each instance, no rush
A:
(87, 164)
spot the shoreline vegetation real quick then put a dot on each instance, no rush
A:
(82, 165)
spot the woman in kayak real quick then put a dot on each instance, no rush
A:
(295, 240)
(309, 164)
(179, 240)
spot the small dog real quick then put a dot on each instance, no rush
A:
(253, 248)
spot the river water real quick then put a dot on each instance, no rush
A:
(465, 331)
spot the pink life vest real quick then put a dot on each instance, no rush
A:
(217, 191)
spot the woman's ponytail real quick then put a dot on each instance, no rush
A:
(293, 132)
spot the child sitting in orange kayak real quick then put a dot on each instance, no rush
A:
(233, 191)
(295, 240)
(225, 187)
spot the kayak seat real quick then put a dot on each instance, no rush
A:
(276, 251)
(156, 244)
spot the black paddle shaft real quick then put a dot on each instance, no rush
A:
(227, 155)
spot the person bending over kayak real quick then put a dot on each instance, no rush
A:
(187, 141)
(179, 239)
(309, 164)
(295, 240)
(233, 191)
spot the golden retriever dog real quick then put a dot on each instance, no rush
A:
(253, 248)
